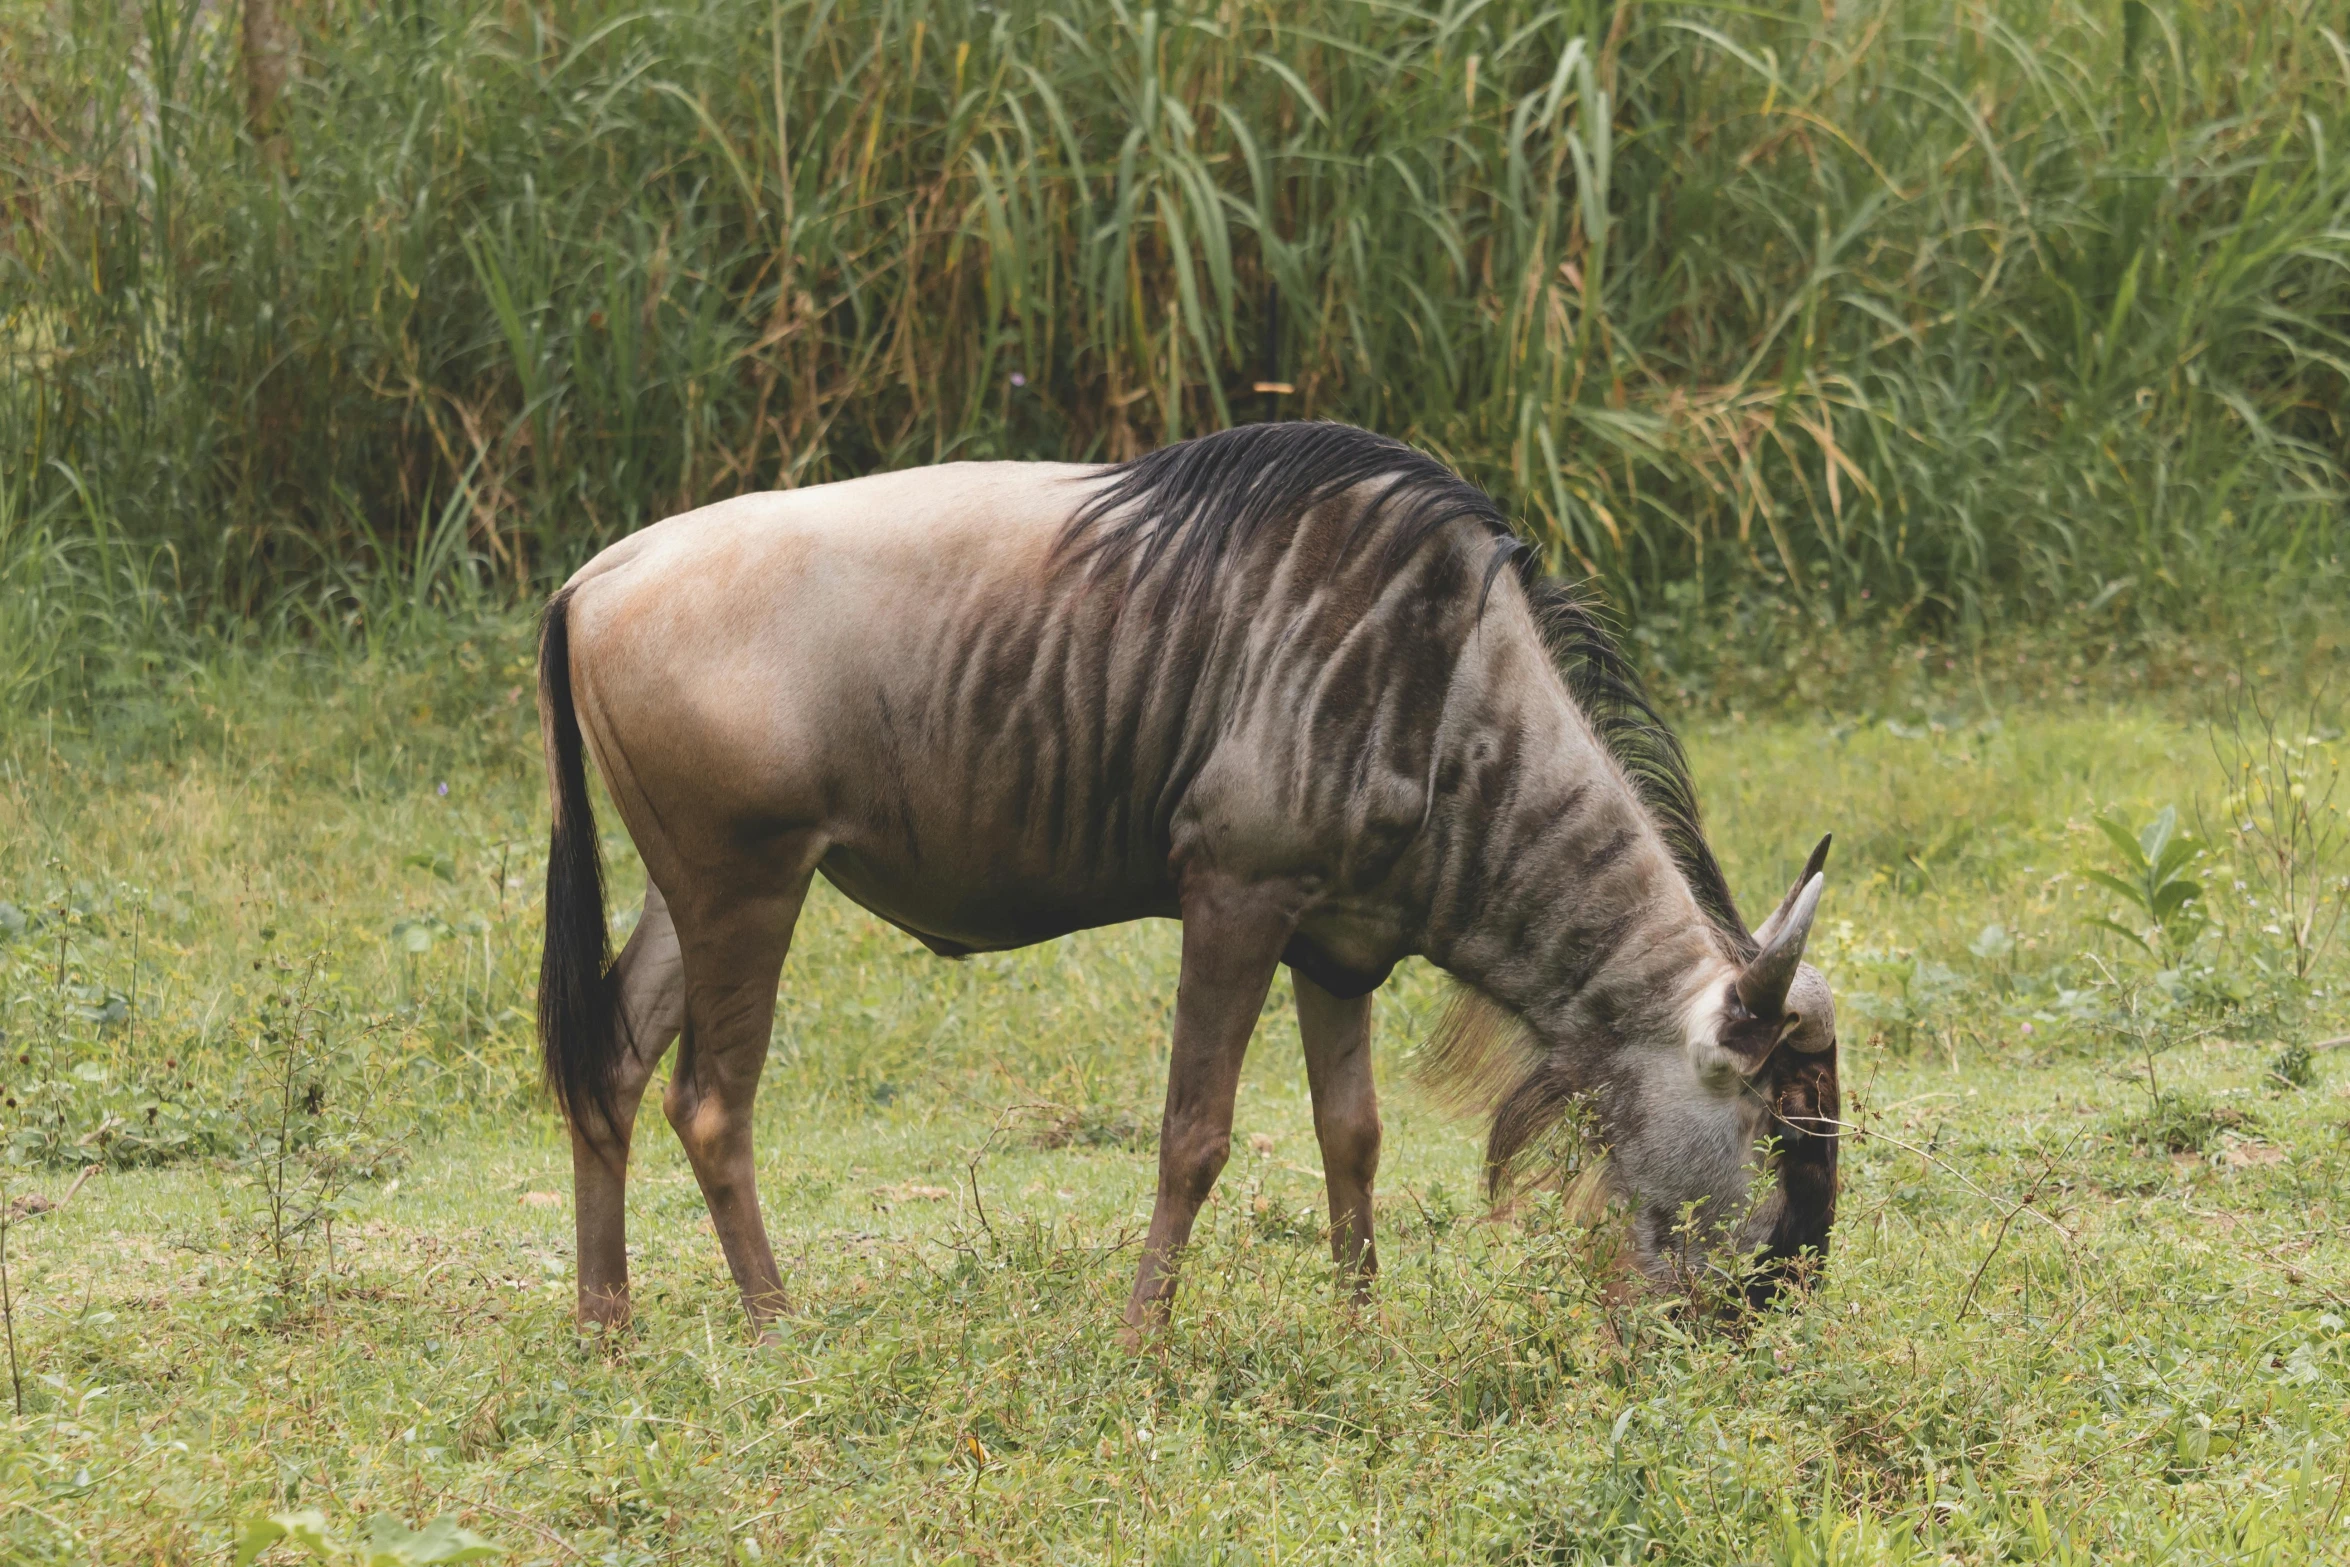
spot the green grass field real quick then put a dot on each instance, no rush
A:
(2149, 1363)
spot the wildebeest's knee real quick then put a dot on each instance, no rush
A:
(693, 1114)
(1194, 1161)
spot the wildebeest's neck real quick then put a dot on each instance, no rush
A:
(1554, 893)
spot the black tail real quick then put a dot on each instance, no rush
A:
(577, 1028)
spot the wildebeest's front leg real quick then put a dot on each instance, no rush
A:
(1337, 1036)
(734, 948)
(651, 1002)
(1232, 940)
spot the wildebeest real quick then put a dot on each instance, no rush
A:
(1297, 685)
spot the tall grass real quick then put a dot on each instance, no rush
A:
(1937, 310)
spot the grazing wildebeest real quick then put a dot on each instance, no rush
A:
(1296, 685)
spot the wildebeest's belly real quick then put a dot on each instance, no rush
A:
(955, 908)
(955, 913)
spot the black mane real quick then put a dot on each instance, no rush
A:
(1184, 509)
(1608, 689)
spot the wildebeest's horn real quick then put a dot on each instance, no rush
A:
(1762, 988)
(1811, 868)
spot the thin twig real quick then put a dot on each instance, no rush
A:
(8, 1313)
(2000, 1239)
(524, 1519)
(1847, 1128)
(971, 1167)
(33, 1205)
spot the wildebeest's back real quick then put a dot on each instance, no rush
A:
(995, 742)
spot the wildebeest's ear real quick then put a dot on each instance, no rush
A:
(1747, 1039)
(1806, 1024)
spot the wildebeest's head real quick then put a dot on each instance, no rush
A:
(1775, 1024)
(1718, 1105)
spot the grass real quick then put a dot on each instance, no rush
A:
(1918, 313)
(2163, 1381)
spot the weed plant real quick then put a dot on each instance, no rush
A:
(1920, 313)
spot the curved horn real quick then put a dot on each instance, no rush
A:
(1811, 868)
(1762, 987)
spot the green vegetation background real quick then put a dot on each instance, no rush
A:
(1911, 313)
(1950, 397)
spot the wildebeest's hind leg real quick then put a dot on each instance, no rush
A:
(651, 1002)
(1232, 941)
(734, 944)
(1337, 1036)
